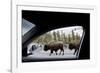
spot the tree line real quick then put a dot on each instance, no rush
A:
(57, 36)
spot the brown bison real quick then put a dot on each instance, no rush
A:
(74, 46)
(54, 48)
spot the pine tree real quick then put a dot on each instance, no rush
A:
(69, 38)
(73, 35)
(58, 36)
(54, 35)
(64, 38)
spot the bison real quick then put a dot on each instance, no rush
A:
(54, 48)
(74, 46)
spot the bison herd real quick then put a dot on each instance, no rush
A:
(53, 48)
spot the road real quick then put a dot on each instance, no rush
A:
(41, 55)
